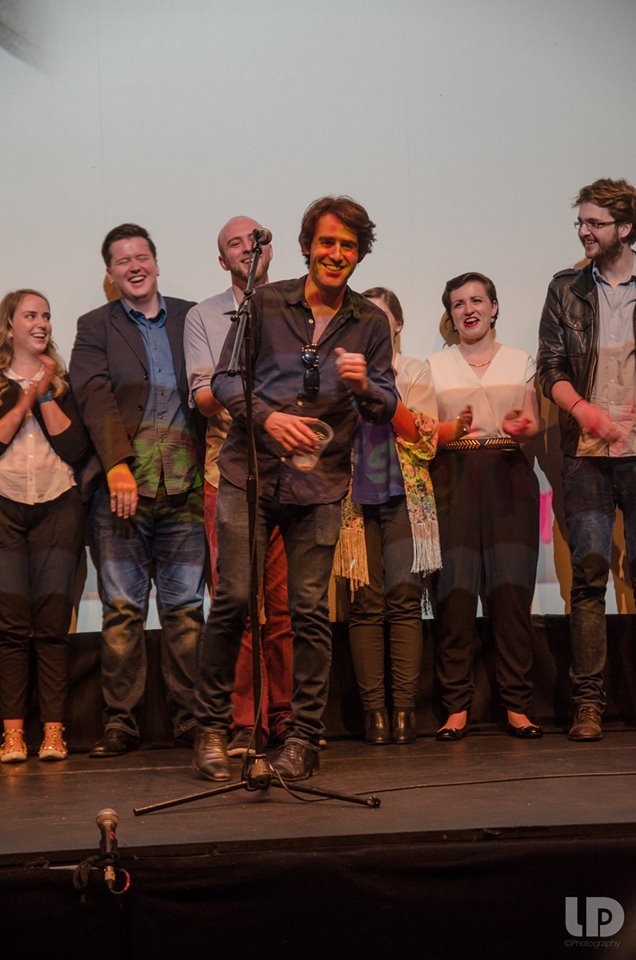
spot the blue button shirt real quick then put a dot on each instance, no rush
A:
(163, 447)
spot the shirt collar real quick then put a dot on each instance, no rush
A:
(599, 278)
(296, 295)
(12, 375)
(137, 317)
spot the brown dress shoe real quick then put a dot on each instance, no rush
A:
(114, 743)
(296, 759)
(210, 760)
(587, 723)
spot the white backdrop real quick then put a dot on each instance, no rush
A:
(464, 126)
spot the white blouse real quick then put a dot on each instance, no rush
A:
(30, 469)
(501, 388)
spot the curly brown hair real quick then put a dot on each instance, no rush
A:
(617, 196)
(352, 214)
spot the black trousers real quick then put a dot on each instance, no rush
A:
(394, 597)
(40, 546)
(488, 513)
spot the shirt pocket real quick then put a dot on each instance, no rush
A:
(577, 327)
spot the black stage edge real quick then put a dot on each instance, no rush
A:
(473, 853)
(491, 898)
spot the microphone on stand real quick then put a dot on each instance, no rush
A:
(107, 821)
(261, 235)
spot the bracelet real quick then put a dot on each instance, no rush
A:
(460, 423)
(46, 397)
(580, 400)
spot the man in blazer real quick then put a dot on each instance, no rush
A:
(144, 483)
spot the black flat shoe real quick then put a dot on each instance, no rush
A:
(448, 734)
(531, 731)
(376, 727)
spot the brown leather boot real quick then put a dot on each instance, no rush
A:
(587, 723)
(376, 727)
(404, 729)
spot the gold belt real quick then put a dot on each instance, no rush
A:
(490, 443)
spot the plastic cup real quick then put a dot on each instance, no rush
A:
(307, 460)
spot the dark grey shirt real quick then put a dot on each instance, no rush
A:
(282, 324)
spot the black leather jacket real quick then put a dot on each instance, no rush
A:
(568, 342)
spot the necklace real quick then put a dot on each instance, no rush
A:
(485, 362)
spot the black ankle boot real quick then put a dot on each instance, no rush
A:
(404, 730)
(376, 727)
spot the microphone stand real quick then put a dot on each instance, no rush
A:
(256, 773)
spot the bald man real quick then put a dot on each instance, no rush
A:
(205, 331)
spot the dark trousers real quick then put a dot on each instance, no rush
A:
(488, 513)
(394, 598)
(40, 546)
(276, 636)
(592, 489)
(310, 534)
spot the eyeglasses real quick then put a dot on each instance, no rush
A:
(592, 224)
(311, 378)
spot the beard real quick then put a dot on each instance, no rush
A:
(609, 251)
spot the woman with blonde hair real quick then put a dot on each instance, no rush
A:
(41, 522)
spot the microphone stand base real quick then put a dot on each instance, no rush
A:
(259, 775)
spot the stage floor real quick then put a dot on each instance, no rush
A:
(487, 783)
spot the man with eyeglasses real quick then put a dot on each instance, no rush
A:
(321, 352)
(586, 365)
(206, 328)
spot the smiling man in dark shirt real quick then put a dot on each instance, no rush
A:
(323, 352)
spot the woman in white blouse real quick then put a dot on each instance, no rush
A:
(41, 522)
(488, 506)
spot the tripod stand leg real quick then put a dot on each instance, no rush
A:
(294, 787)
(229, 788)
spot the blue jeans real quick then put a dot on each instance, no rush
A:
(592, 489)
(165, 540)
(310, 534)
